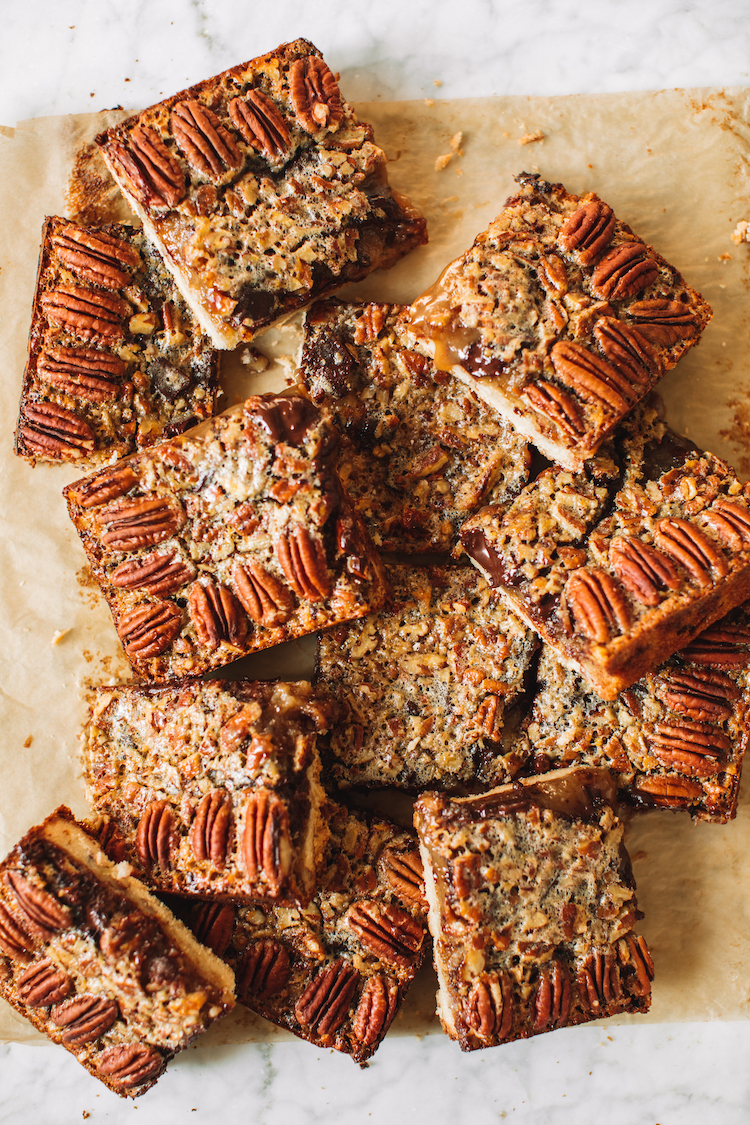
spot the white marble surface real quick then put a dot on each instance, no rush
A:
(75, 55)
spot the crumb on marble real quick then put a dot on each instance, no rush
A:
(429, 101)
(58, 636)
(531, 138)
(741, 232)
(254, 359)
(437, 82)
(443, 161)
(456, 142)
(28, 742)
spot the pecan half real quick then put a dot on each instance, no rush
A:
(156, 177)
(323, 1005)
(389, 931)
(264, 970)
(634, 956)
(721, 646)
(404, 873)
(687, 747)
(692, 548)
(628, 351)
(217, 615)
(591, 377)
(84, 1018)
(315, 94)
(43, 984)
(489, 1008)
(209, 834)
(207, 145)
(15, 942)
(375, 1011)
(96, 257)
(730, 522)
(550, 1007)
(149, 629)
(105, 486)
(130, 1064)
(156, 574)
(153, 837)
(368, 326)
(140, 522)
(212, 923)
(599, 608)
(643, 571)
(699, 693)
(266, 845)
(54, 431)
(303, 560)
(588, 231)
(258, 120)
(265, 600)
(598, 979)
(87, 313)
(45, 914)
(82, 372)
(556, 404)
(624, 271)
(663, 321)
(669, 792)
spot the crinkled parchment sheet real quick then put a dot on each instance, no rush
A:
(673, 164)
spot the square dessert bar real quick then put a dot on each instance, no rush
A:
(420, 452)
(560, 317)
(262, 189)
(212, 788)
(427, 685)
(620, 566)
(532, 907)
(99, 965)
(117, 360)
(675, 739)
(333, 973)
(231, 538)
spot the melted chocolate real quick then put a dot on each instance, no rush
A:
(578, 795)
(287, 419)
(660, 457)
(480, 364)
(475, 543)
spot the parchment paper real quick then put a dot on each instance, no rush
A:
(673, 164)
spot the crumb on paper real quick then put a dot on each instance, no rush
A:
(429, 101)
(58, 636)
(254, 359)
(531, 138)
(456, 141)
(741, 232)
(443, 161)
(28, 742)
(725, 257)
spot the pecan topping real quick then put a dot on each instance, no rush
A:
(369, 325)
(489, 717)
(84, 1018)
(489, 1008)
(663, 321)
(558, 405)
(643, 571)
(389, 931)
(265, 600)
(699, 693)
(375, 1011)
(46, 915)
(730, 522)
(591, 377)
(130, 1064)
(140, 522)
(323, 1005)
(216, 614)
(208, 146)
(599, 981)
(721, 646)
(155, 175)
(266, 845)
(628, 351)
(14, 940)
(669, 792)
(315, 94)
(156, 574)
(403, 872)
(599, 607)
(623, 272)
(212, 924)
(106, 486)
(97, 257)
(209, 835)
(82, 372)
(692, 548)
(264, 970)
(260, 123)
(113, 841)
(53, 431)
(153, 836)
(88, 313)
(633, 953)
(688, 747)
(588, 231)
(551, 1004)
(43, 984)
(553, 275)
(149, 629)
(303, 561)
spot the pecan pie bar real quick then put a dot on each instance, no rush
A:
(262, 189)
(426, 685)
(420, 452)
(212, 787)
(335, 972)
(620, 566)
(228, 539)
(532, 906)
(560, 317)
(117, 360)
(99, 965)
(676, 738)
